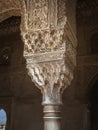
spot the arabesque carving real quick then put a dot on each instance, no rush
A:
(37, 18)
(50, 54)
(44, 41)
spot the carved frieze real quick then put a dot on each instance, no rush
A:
(44, 41)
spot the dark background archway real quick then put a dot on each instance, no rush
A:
(94, 106)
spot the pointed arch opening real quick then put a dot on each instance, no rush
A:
(3, 119)
(93, 100)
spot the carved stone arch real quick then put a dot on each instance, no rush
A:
(8, 13)
(6, 108)
(9, 8)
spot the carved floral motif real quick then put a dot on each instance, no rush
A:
(50, 55)
(52, 78)
(37, 14)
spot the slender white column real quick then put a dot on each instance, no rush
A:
(52, 117)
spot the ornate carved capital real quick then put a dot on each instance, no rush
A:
(49, 52)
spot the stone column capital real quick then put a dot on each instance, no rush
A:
(49, 53)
